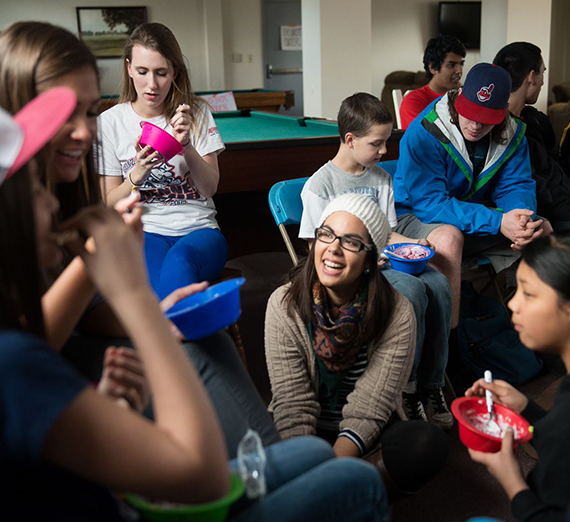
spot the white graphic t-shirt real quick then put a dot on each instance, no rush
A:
(172, 204)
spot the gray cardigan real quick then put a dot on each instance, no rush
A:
(295, 379)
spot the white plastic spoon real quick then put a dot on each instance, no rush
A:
(491, 423)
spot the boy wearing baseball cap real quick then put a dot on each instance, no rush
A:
(465, 162)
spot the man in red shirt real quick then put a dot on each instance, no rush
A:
(443, 62)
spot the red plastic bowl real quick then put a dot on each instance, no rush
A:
(464, 408)
(160, 140)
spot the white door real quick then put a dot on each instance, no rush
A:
(283, 68)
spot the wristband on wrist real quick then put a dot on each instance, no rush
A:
(133, 183)
(187, 143)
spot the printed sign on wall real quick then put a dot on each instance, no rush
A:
(222, 101)
(291, 39)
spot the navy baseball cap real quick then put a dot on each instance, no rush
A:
(485, 94)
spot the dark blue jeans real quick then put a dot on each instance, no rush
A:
(430, 295)
(236, 399)
(305, 481)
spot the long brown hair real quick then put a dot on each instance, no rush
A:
(20, 279)
(161, 39)
(379, 305)
(498, 132)
(32, 54)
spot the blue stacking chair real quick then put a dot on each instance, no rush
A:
(287, 208)
(389, 166)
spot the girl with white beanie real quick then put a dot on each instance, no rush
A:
(340, 343)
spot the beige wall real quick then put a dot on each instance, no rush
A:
(530, 20)
(211, 32)
(494, 15)
(243, 36)
(559, 66)
(400, 31)
(337, 57)
(185, 19)
(312, 77)
(214, 45)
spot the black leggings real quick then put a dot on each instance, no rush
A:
(413, 452)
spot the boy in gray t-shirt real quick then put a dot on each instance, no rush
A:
(365, 125)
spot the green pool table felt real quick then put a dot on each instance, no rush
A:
(261, 126)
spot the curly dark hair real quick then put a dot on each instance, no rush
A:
(438, 48)
(497, 132)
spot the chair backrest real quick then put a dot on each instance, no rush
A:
(397, 98)
(285, 201)
(389, 166)
(287, 208)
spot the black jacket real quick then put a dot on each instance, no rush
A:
(552, 183)
(548, 498)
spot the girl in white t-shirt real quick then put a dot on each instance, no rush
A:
(183, 243)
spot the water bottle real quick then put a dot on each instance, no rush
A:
(251, 462)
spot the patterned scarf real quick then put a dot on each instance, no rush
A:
(336, 342)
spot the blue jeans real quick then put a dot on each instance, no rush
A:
(232, 392)
(430, 296)
(306, 482)
(176, 261)
(236, 399)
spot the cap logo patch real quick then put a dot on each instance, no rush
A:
(484, 93)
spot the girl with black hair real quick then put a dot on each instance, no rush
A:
(541, 315)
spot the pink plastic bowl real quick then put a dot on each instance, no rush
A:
(160, 140)
(465, 408)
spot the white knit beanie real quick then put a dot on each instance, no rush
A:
(365, 209)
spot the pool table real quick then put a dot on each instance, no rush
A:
(260, 99)
(254, 99)
(264, 148)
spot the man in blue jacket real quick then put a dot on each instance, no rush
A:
(464, 162)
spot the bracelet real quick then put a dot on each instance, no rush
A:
(133, 183)
(186, 144)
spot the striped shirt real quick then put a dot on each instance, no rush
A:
(330, 420)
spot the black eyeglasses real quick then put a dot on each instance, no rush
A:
(348, 243)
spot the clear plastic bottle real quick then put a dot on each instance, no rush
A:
(251, 462)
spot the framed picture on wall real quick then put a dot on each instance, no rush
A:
(105, 29)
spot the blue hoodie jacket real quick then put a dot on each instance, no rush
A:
(434, 178)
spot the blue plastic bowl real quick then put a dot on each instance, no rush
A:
(208, 312)
(409, 266)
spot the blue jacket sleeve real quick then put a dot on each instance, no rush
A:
(513, 186)
(425, 169)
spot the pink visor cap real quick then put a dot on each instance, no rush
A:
(22, 136)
